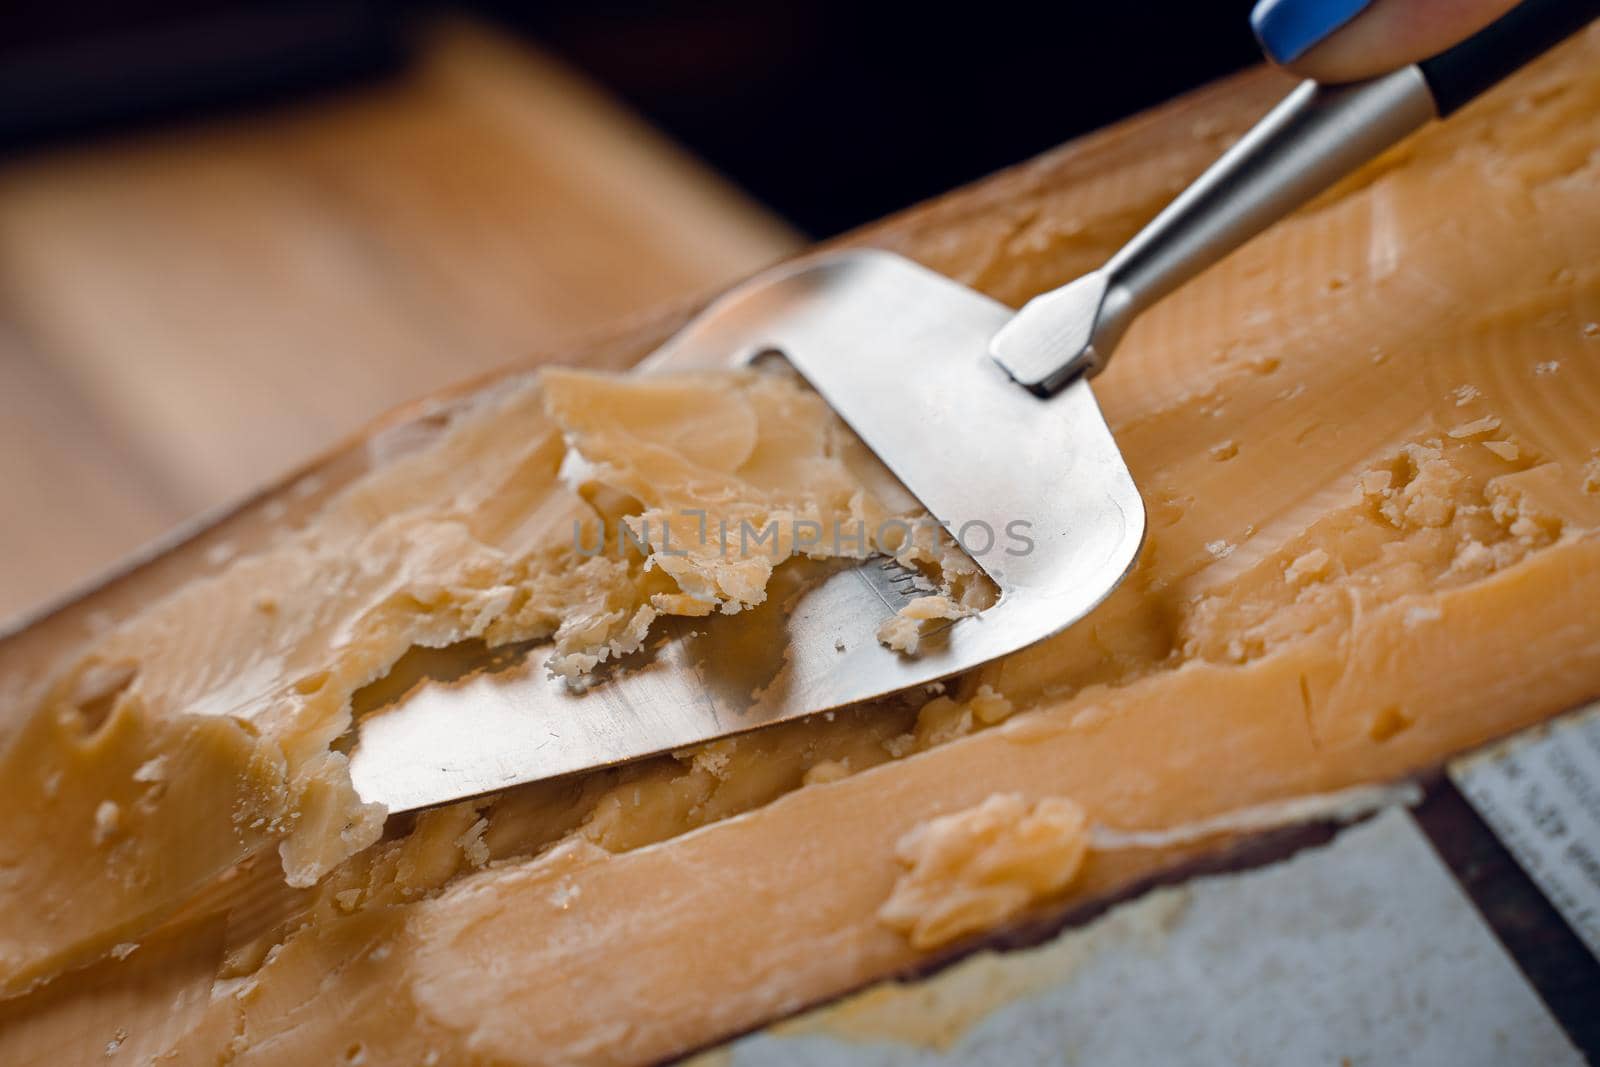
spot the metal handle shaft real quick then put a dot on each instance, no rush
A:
(1317, 135)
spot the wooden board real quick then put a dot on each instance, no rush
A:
(185, 313)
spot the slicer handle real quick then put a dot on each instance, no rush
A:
(1317, 135)
(1527, 31)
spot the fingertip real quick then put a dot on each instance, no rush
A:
(1288, 29)
(1388, 36)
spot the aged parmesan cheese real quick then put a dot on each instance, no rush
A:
(1322, 606)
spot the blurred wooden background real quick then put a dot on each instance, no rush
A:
(186, 313)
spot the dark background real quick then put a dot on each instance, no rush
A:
(832, 113)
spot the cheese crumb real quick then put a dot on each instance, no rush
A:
(472, 844)
(970, 870)
(151, 770)
(1474, 428)
(683, 604)
(118, 1036)
(904, 630)
(900, 745)
(989, 706)
(1591, 475)
(1304, 568)
(1474, 558)
(943, 719)
(107, 821)
(1506, 450)
(827, 771)
(1375, 483)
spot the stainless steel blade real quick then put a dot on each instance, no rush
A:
(902, 354)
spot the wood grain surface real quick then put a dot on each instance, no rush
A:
(186, 312)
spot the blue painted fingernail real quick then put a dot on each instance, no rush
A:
(1288, 29)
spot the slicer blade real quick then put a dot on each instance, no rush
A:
(1034, 488)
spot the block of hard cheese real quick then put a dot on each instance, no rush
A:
(1370, 448)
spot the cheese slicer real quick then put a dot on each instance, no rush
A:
(984, 413)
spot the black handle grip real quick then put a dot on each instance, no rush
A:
(1500, 49)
